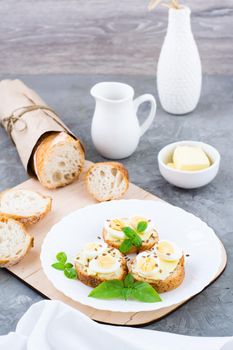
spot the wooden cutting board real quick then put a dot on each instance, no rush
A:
(66, 200)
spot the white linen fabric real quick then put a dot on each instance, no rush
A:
(53, 325)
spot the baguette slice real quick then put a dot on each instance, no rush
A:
(173, 281)
(114, 236)
(26, 206)
(15, 242)
(146, 244)
(107, 181)
(58, 160)
(93, 279)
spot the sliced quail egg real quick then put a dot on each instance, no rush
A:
(93, 249)
(168, 251)
(145, 235)
(149, 265)
(114, 228)
(146, 264)
(105, 263)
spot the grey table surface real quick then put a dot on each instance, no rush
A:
(105, 36)
(211, 312)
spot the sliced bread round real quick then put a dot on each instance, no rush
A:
(58, 160)
(173, 281)
(26, 206)
(107, 180)
(15, 242)
(90, 277)
(146, 244)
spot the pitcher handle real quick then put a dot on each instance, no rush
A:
(137, 102)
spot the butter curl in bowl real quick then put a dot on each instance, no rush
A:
(189, 164)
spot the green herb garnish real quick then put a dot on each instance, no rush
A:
(127, 289)
(133, 237)
(125, 246)
(142, 226)
(62, 265)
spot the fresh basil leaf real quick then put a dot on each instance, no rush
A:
(61, 257)
(133, 236)
(125, 246)
(143, 291)
(108, 290)
(70, 273)
(127, 292)
(129, 232)
(137, 241)
(68, 265)
(58, 266)
(142, 226)
(129, 281)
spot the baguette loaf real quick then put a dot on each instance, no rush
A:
(107, 181)
(28, 207)
(58, 160)
(15, 242)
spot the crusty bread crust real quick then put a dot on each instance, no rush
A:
(45, 148)
(116, 165)
(15, 260)
(29, 220)
(94, 281)
(146, 245)
(171, 282)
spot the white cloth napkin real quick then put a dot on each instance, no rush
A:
(52, 325)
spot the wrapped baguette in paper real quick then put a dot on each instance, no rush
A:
(45, 145)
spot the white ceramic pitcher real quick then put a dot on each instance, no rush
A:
(115, 128)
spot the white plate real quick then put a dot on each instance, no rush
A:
(84, 225)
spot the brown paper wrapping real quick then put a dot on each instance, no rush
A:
(26, 132)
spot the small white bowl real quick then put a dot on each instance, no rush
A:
(188, 179)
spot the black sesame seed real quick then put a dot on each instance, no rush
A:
(187, 255)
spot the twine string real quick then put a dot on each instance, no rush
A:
(9, 122)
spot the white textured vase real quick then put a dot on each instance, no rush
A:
(179, 73)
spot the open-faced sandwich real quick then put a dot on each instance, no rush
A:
(162, 267)
(97, 263)
(130, 235)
